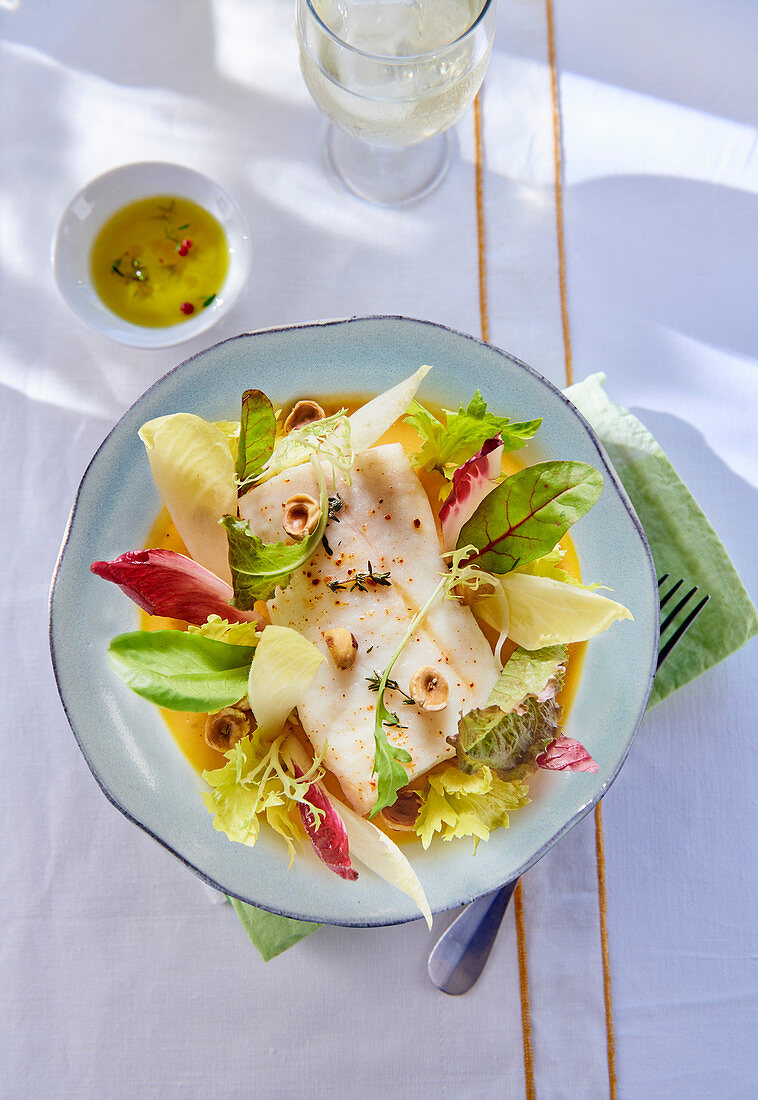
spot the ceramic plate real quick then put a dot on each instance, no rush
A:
(128, 748)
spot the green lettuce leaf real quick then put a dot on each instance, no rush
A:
(456, 805)
(256, 438)
(509, 741)
(258, 567)
(528, 513)
(181, 671)
(222, 631)
(463, 433)
(527, 673)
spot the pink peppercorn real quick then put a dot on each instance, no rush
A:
(187, 307)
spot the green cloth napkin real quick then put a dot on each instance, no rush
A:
(270, 933)
(681, 539)
(683, 544)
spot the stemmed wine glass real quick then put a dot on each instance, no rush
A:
(393, 76)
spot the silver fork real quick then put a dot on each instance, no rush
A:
(460, 954)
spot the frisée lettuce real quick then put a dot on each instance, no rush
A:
(256, 784)
(446, 445)
(455, 804)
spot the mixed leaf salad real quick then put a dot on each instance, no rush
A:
(440, 764)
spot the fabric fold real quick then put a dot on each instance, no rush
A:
(681, 539)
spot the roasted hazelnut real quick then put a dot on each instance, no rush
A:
(342, 646)
(402, 814)
(468, 595)
(429, 688)
(301, 516)
(304, 412)
(224, 729)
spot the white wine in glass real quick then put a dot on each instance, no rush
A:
(393, 76)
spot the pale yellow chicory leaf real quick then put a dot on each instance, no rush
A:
(192, 465)
(369, 423)
(283, 668)
(545, 612)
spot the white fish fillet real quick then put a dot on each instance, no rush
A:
(387, 520)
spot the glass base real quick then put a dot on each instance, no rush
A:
(387, 176)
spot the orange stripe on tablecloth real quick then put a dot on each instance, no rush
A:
(523, 973)
(610, 1034)
(557, 160)
(518, 901)
(599, 842)
(480, 232)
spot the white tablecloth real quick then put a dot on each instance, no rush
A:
(119, 978)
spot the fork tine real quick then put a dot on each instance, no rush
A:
(680, 630)
(671, 592)
(673, 614)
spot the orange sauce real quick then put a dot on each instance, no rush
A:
(188, 729)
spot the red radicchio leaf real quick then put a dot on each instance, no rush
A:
(564, 753)
(471, 483)
(329, 838)
(163, 582)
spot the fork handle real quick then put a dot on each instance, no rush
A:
(460, 954)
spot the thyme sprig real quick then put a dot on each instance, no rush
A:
(360, 580)
(374, 684)
(335, 504)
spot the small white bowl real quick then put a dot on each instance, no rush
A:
(93, 206)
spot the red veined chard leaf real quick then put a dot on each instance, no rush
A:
(472, 482)
(566, 754)
(257, 437)
(329, 835)
(528, 513)
(163, 582)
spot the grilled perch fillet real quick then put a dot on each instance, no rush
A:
(386, 519)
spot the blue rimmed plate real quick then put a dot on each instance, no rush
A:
(123, 738)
